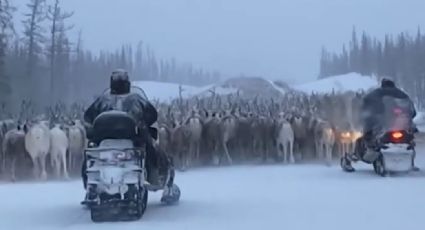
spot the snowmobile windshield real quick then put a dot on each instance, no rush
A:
(398, 113)
(133, 89)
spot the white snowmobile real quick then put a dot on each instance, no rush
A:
(394, 148)
(117, 187)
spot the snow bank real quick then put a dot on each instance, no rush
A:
(220, 90)
(341, 83)
(166, 92)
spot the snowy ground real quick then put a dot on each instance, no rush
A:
(244, 197)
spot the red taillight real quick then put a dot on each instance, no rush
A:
(397, 135)
(397, 111)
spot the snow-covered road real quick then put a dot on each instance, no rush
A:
(310, 197)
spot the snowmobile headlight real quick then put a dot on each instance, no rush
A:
(357, 134)
(346, 135)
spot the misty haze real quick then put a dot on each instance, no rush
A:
(212, 114)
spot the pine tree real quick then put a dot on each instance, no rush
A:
(58, 43)
(34, 38)
(345, 65)
(401, 59)
(354, 52)
(6, 30)
(365, 56)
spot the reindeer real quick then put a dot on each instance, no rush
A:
(13, 147)
(299, 125)
(324, 140)
(194, 126)
(59, 144)
(76, 144)
(229, 127)
(212, 135)
(285, 139)
(37, 144)
(179, 142)
(164, 138)
(5, 126)
(244, 135)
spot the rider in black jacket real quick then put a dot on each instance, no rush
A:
(121, 98)
(372, 113)
(373, 108)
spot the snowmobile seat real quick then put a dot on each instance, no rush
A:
(114, 125)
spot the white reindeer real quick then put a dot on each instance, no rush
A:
(58, 147)
(285, 139)
(77, 143)
(37, 144)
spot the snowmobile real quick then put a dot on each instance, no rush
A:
(115, 170)
(117, 183)
(393, 148)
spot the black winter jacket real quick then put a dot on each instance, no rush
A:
(373, 102)
(134, 104)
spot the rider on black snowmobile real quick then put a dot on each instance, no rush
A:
(121, 98)
(372, 111)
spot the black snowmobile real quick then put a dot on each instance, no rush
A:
(117, 173)
(393, 147)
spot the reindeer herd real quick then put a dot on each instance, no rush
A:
(214, 130)
(52, 142)
(232, 129)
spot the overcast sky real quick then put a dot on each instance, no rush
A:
(272, 38)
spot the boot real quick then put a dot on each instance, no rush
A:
(414, 167)
(359, 150)
(171, 193)
(346, 163)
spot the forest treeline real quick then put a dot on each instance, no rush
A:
(41, 64)
(401, 58)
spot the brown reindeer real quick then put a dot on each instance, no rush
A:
(212, 136)
(324, 137)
